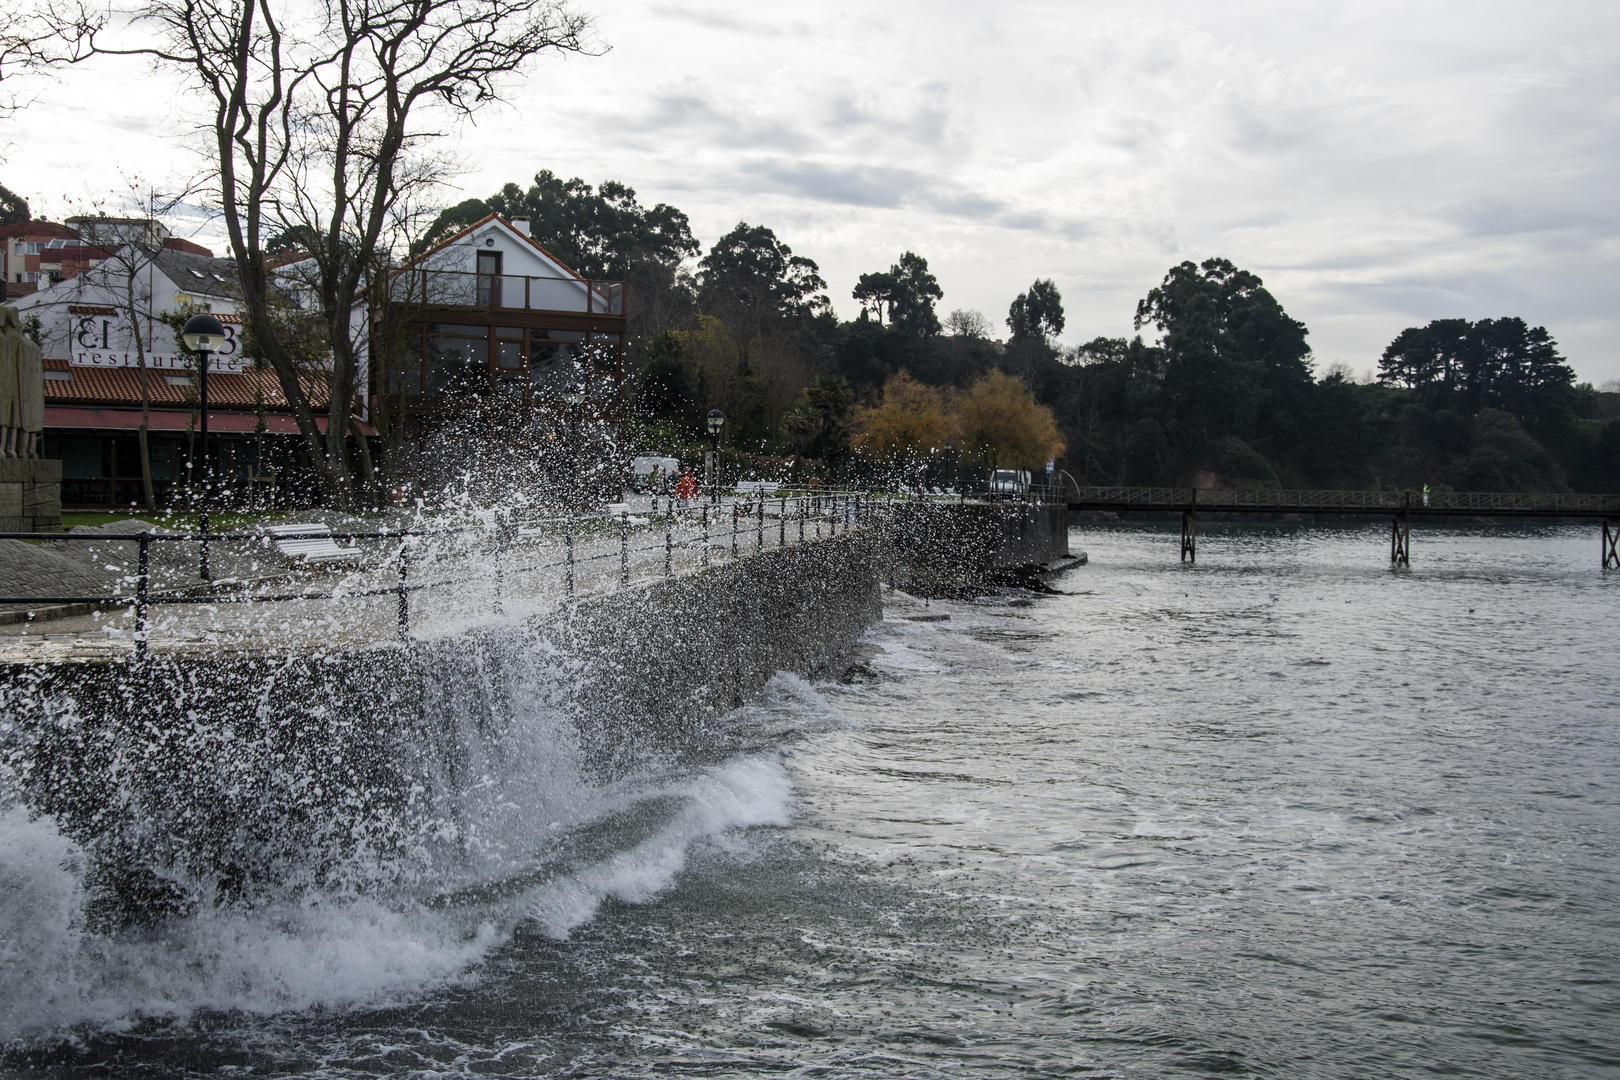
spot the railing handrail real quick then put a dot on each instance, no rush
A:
(1327, 498)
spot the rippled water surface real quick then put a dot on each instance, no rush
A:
(1285, 813)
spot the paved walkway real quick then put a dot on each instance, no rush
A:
(457, 580)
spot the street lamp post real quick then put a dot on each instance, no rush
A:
(717, 419)
(203, 334)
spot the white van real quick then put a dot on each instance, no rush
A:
(654, 473)
(1008, 481)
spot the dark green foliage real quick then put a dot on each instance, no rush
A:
(600, 233)
(292, 241)
(452, 220)
(13, 207)
(1494, 363)
(666, 392)
(1235, 364)
(750, 272)
(1038, 314)
(906, 293)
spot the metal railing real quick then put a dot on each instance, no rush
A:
(500, 550)
(1286, 500)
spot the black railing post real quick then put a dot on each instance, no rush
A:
(761, 545)
(202, 521)
(404, 595)
(733, 530)
(624, 548)
(669, 542)
(568, 540)
(705, 559)
(142, 579)
(802, 511)
(781, 539)
(500, 544)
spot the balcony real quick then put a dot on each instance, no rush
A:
(428, 288)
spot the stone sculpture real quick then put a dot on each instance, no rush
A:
(22, 389)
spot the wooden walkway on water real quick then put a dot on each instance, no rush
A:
(1401, 506)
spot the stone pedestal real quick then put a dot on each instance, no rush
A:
(30, 494)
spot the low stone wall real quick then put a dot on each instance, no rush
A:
(196, 780)
(30, 494)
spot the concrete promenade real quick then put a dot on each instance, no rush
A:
(455, 579)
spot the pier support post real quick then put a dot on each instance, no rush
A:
(1400, 540)
(1189, 530)
(1611, 546)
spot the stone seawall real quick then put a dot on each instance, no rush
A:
(193, 781)
(943, 548)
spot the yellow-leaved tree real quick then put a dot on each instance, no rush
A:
(910, 422)
(999, 424)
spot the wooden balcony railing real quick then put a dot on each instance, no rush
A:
(506, 292)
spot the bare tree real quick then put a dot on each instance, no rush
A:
(323, 120)
(30, 46)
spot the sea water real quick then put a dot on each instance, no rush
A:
(1283, 813)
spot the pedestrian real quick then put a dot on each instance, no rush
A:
(1425, 494)
(686, 488)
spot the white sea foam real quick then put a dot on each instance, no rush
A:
(751, 792)
(39, 908)
(365, 951)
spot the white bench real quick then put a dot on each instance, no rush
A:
(757, 487)
(309, 544)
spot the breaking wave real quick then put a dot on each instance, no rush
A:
(538, 841)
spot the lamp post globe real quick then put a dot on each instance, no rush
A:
(203, 334)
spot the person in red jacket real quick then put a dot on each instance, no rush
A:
(686, 488)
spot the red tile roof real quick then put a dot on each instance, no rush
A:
(121, 386)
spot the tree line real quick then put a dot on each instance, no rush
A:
(1218, 385)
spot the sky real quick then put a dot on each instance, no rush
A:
(1378, 164)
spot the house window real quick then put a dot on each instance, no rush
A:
(489, 278)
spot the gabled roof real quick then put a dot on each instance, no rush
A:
(505, 224)
(198, 273)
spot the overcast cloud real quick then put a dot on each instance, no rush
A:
(1378, 164)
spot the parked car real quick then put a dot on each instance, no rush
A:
(1008, 481)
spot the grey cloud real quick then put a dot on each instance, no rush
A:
(718, 19)
(925, 123)
(1495, 217)
(691, 111)
(891, 188)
